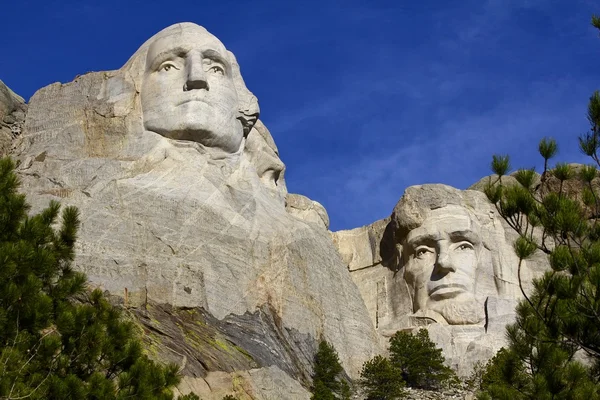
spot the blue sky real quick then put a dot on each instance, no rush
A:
(363, 98)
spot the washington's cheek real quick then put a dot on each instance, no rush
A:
(223, 94)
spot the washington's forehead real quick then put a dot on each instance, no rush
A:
(187, 38)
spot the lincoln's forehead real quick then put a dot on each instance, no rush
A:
(183, 38)
(444, 221)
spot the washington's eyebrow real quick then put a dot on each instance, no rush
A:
(180, 51)
(217, 56)
(165, 55)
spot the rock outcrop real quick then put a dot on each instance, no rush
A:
(12, 117)
(187, 224)
(183, 203)
(444, 261)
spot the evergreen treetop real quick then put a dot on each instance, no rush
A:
(58, 340)
(558, 323)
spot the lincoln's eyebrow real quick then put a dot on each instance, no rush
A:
(424, 238)
(465, 235)
(165, 55)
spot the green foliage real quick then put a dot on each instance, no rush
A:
(381, 380)
(321, 392)
(563, 171)
(504, 376)
(588, 173)
(328, 382)
(548, 148)
(57, 341)
(500, 164)
(589, 142)
(190, 396)
(345, 390)
(560, 318)
(526, 177)
(229, 397)
(419, 361)
(524, 247)
(543, 371)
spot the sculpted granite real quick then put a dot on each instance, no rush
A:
(183, 201)
(185, 212)
(444, 261)
(441, 258)
(189, 90)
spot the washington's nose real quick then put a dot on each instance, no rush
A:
(195, 75)
(443, 260)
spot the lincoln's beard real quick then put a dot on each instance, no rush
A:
(462, 311)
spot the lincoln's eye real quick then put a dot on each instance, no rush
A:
(465, 246)
(421, 252)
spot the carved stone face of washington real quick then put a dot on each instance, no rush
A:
(189, 91)
(441, 261)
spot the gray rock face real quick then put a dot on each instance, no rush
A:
(220, 357)
(307, 210)
(444, 261)
(12, 117)
(191, 212)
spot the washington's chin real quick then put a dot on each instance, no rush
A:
(201, 131)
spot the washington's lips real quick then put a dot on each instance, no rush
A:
(444, 286)
(192, 99)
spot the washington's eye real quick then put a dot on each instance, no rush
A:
(217, 69)
(167, 66)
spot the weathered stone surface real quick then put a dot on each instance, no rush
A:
(508, 180)
(12, 117)
(231, 349)
(307, 210)
(443, 261)
(256, 384)
(190, 211)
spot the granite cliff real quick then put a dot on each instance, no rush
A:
(187, 223)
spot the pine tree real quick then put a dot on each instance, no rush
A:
(560, 319)
(58, 340)
(420, 362)
(328, 382)
(380, 380)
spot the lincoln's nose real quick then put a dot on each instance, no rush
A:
(195, 74)
(443, 261)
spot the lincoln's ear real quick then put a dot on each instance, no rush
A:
(248, 103)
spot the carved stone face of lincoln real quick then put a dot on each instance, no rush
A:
(441, 261)
(188, 90)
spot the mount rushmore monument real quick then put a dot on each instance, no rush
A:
(187, 222)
